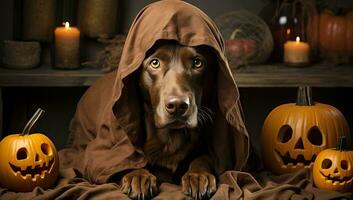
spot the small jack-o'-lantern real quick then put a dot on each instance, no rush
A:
(28, 160)
(294, 134)
(333, 169)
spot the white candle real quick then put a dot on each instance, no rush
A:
(67, 47)
(296, 52)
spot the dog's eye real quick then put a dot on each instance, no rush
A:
(154, 63)
(197, 63)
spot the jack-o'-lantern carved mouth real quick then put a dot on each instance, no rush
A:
(40, 170)
(300, 160)
(337, 179)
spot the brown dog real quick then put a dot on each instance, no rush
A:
(173, 83)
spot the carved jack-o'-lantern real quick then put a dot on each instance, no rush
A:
(28, 160)
(294, 134)
(333, 169)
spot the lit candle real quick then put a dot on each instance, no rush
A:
(296, 52)
(67, 47)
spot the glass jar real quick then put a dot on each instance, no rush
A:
(293, 19)
(97, 18)
(38, 20)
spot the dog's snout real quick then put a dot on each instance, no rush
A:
(177, 105)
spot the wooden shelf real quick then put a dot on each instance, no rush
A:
(46, 76)
(275, 75)
(278, 75)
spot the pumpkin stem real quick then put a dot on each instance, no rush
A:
(304, 97)
(32, 121)
(341, 146)
(234, 34)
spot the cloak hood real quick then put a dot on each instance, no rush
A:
(106, 131)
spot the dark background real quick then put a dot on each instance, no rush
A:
(60, 102)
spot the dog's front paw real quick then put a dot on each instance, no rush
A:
(139, 184)
(198, 185)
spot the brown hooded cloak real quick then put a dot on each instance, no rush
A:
(107, 129)
(106, 133)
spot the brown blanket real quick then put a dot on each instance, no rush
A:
(232, 185)
(106, 133)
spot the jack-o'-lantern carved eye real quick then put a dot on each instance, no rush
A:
(22, 154)
(45, 148)
(326, 164)
(344, 164)
(315, 136)
(285, 134)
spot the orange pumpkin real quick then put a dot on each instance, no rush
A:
(294, 134)
(28, 160)
(333, 34)
(333, 169)
(313, 33)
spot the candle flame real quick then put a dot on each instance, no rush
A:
(288, 31)
(297, 39)
(67, 25)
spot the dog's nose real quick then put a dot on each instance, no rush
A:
(177, 105)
